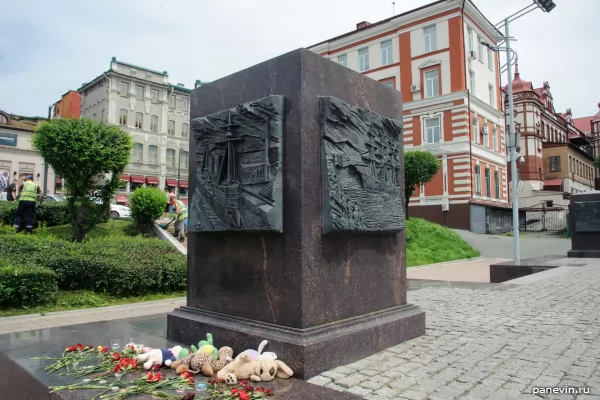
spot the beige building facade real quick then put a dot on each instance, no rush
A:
(157, 115)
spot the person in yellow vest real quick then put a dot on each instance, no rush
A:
(29, 193)
(181, 223)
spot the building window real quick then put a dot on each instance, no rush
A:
(430, 39)
(389, 83)
(172, 102)
(58, 186)
(184, 103)
(3, 119)
(479, 49)
(171, 128)
(139, 120)
(491, 94)
(363, 60)
(155, 94)
(123, 117)
(476, 129)
(170, 158)
(154, 123)
(137, 154)
(124, 89)
(488, 183)
(183, 159)
(490, 59)
(153, 155)
(477, 181)
(387, 56)
(554, 164)
(139, 93)
(185, 129)
(470, 39)
(497, 184)
(472, 82)
(433, 129)
(432, 83)
(183, 191)
(495, 138)
(343, 60)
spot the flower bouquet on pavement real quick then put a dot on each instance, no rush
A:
(219, 390)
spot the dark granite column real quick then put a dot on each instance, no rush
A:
(267, 268)
(584, 213)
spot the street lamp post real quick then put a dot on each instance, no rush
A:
(546, 6)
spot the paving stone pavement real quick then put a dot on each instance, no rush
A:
(491, 345)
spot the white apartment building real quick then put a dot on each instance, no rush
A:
(451, 103)
(155, 113)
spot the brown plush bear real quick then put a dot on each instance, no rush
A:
(244, 367)
(203, 362)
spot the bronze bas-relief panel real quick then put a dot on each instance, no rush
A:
(361, 170)
(239, 160)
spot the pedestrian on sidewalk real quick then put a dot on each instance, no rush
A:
(170, 201)
(11, 191)
(181, 223)
(29, 192)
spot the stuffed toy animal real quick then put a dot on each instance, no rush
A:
(206, 346)
(259, 355)
(202, 362)
(245, 367)
(161, 357)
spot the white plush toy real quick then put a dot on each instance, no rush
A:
(161, 357)
(259, 355)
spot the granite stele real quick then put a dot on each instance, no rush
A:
(297, 224)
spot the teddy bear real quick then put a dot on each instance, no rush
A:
(162, 357)
(258, 355)
(203, 362)
(206, 346)
(263, 370)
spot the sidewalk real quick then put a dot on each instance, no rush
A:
(37, 321)
(476, 270)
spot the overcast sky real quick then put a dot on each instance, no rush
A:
(47, 48)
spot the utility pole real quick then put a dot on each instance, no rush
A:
(45, 192)
(178, 173)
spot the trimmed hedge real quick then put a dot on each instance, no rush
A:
(147, 204)
(48, 214)
(26, 285)
(121, 266)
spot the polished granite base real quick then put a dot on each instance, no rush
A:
(22, 378)
(583, 254)
(509, 270)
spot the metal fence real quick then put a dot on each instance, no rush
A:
(544, 219)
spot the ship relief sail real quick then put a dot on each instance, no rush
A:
(238, 175)
(361, 169)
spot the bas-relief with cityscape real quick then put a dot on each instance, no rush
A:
(239, 177)
(587, 216)
(360, 170)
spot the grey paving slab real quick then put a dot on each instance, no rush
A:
(483, 344)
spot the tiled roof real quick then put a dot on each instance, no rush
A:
(583, 124)
(519, 85)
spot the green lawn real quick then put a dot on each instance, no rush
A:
(429, 243)
(79, 299)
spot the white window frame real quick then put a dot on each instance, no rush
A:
(476, 128)
(185, 130)
(363, 59)
(153, 156)
(495, 138)
(477, 180)
(472, 82)
(141, 122)
(490, 59)
(155, 93)
(432, 84)
(172, 101)
(387, 52)
(171, 127)
(139, 152)
(139, 93)
(479, 49)
(154, 123)
(121, 114)
(342, 59)
(171, 160)
(124, 88)
(182, 154)
(426, 129)
(497, 185)
(470, 39)
(491, 95)
(488, 181)
(430, 36)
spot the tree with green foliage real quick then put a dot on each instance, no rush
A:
(147, 204)
(90, 156)
(419, 168)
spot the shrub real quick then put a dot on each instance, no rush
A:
(147, 204)
(47, 214)
(26, 285)
(117, 265)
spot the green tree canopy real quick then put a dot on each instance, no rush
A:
(90, 156)
(419, 167)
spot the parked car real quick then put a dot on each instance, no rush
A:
(119, 211)
(53, 198)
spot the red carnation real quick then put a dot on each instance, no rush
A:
(270, 392)
(243, 395)
(191, 379)
(105, 349)
(234, 391)
(243, 382)
(116, 356)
